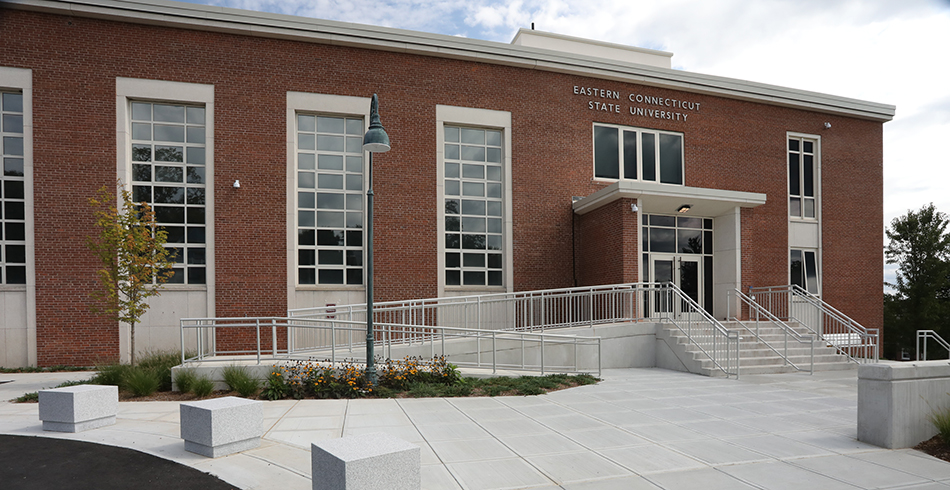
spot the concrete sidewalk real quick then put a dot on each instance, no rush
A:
(638, 429)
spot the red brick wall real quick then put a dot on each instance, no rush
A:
(729, 144)
(606, 245)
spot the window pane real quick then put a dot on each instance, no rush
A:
(141, 131)
(330, 125)
(794, 186)
(330, 276)
(474, 278)
(195, 115)
(354, 239)
(797, 272)
(453, 259)
(354, 276)
(13, 167)
(354, 164)
(473, 136)
(12, 102)
(451, 170)
(811, 272)
(452, 134)
(629, 154)
(330, 143)
(690, 241)
(453, 278)
(307, 276)
(648, 156)
(169, 133)
(12, 145)
(606, 153)
(808, 177)
(169, 113)
(473, 171)
(809, 205)
(168, 154)
(330, 257)
(671, 159)
(662, 240)
(168, 174)
(330, 162)
(795, 206)
(473, 153)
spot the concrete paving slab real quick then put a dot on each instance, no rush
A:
(779, 475)
(499, 474)
(910, 461)
(577, 467)
(605, 438)
(536, 442)
(716, 452)
(863, 474)
(703, 478)
(644, 460)
(539, 444)
(467, 450)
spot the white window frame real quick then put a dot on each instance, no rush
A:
(816, 176)
(328, 105)
(480, 119)
(21, 80)
(135, 89)
(639, 165)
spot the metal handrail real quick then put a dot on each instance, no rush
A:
(342, 342)
(547, 309)
(923, 336)
(848, 337)
(709, 345)
(759, 311)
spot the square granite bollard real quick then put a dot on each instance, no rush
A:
(78, 408)
(222, 426)
(375, 461)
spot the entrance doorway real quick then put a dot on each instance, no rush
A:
(685, 272)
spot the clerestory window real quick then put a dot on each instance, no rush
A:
(624, 153)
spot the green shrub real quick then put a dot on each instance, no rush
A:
(423, 390)
(275, 387)
(202, 386)
(185, 379)
(162, 363)
(142, 381)
(113, 374)
(941, 420)
(240, 380)
(28, 397)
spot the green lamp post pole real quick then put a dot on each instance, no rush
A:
(374, 141)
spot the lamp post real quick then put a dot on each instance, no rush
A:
(374, 141)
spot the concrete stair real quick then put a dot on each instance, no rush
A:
(755, 356)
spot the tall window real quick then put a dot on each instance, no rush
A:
(801, 177)
(12, 192)
(168, 172)
(804, 270)
(638, 154)
(474, 202)
(329, 200)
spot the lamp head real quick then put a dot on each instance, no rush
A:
(375, 140)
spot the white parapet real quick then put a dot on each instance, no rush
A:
(78, 408)
(895, 401)
(376, 461)
(222, 426)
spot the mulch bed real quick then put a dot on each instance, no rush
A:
(40, 463)
(935, 447)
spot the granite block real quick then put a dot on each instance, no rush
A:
(376, 461)
(221, 426)
(78, 408)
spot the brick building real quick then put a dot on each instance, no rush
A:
(549, 162)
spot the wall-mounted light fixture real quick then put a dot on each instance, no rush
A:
(237, 184)
(634, 208)
(827, 125)
(684, 208)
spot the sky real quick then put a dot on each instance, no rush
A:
(889, 51)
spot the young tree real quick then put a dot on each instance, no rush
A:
(920, 247)
(131, 250)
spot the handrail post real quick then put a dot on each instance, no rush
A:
(273, 335)
(494, 354)
(258, 323)
(542, 354)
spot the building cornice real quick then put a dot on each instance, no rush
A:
(262, 24)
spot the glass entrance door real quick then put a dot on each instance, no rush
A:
(683, 271)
